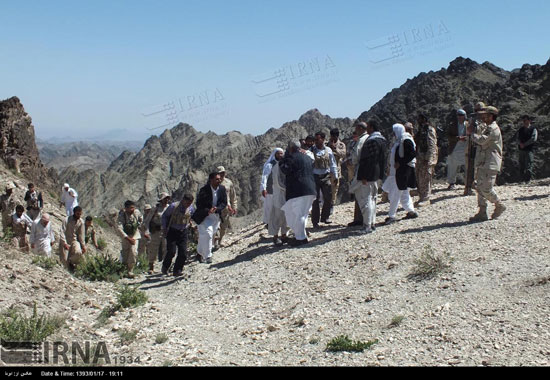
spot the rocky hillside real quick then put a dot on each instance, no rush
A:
(18, 148)
(461, 85)
(180, 159)
(82, 155)
(433, 291)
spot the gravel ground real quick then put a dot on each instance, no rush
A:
(257, 304)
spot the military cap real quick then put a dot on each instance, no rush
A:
(491, 110)
(220, 169)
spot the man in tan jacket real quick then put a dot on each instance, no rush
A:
(488, 163)
(426, 159)
(73, 239)
(229, 211)
(129, 223)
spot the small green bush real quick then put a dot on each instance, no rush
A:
(131, 296)
(98, 220)
(344, 343)
(161, 338)
(127, 336)
(8, 235)
(44, 262)
(16, 327)
(101, 244)
(429, 264)
(396, 321)
(100, 267)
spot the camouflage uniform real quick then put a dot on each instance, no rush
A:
(231, 201)
(7, 207)
(339, 151)
(129, 226)
(74, 235)
(156, 248)
(488, 164)
(426, 159)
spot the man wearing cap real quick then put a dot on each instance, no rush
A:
(69, 198)
(426, 158)
(339, 150)
(129, 223)
(73, 239)
(457, 147)
(156, 249)
(227, 212)
(300, 190)
(7, 205)
(477, 124)
(42, 237)
(488, 163)
(527, 137)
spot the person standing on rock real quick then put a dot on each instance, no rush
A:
(230, 210)
(324, 167)
(339, 150)
(20, 223)
(372, 165)
(211, 201)
(402, 175)
(7, 206)
(363, 135)
(476, 123)
(157, 247)
(488, 164)
(34, 202)
(129, 223)
(176, 222)
(266, 185)
(457, 147)
(42, 237)
(73, 239)
(277, 221)
(527, 137)
(426, 159)
(300, 190)
(69, 199)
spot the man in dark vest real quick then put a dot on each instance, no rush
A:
(300, 190)
(176, 221)
(211, 201)
(527, 137)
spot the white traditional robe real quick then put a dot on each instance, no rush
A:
(207, 230)
(42, 238)
(70, 199)
(296, 212)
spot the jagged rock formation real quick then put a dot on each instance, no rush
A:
(17, 145)
(82, 155)
(465, 82)
(180, 159)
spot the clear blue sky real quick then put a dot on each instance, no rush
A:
(84, 68)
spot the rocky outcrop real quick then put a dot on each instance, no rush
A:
(180, 159)
(465, 82)
(17, 144)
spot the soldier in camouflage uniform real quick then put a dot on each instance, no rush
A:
(7, 206)
(469, 175)
(227, 212)
(129, 223)
(156, 249)
(426, 158)
(488, 163)
(339, 150)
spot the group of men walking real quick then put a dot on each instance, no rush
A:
(297, 182)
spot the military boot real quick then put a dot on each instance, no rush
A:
(499, 209)
(481, 215)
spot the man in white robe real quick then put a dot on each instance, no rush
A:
(42, 237)
(69, 198)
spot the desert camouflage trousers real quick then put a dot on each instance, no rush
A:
(424, 177)
(485, 187)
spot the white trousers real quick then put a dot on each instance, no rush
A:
(296, 212)
(277, 222)
(455, 160)
(268, 205)
(397, 196)
(43, 248)
(366, 198)
(207, 230)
